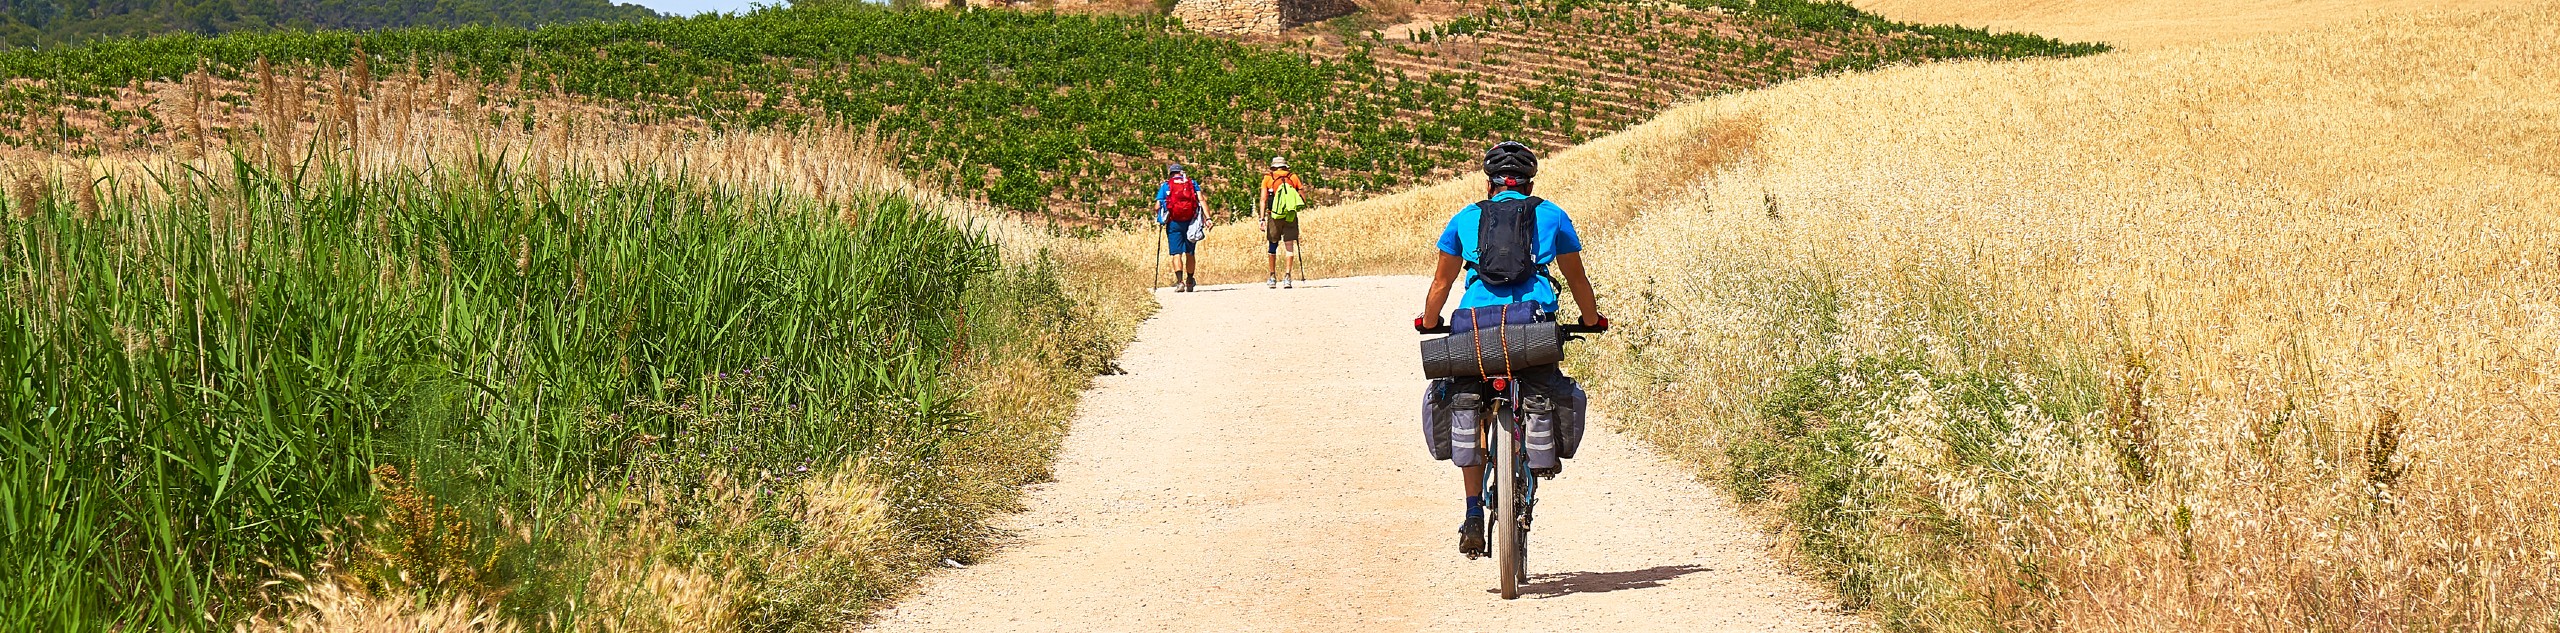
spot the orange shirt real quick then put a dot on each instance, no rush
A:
(1271, 182)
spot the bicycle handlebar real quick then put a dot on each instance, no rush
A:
(1568, 328)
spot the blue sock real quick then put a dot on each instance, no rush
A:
(1475, 506)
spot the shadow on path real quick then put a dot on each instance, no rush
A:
(1573, 582)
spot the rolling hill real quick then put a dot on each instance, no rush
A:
(28, 23)
(1069, 117)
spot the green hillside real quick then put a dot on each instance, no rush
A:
(25, 23)
(1068, 115)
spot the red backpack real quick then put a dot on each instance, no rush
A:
(1181, 199)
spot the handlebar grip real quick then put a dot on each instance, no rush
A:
(1567, 328)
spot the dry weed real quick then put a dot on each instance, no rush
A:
(330, 606)
(2243, 337)
(2155, 24)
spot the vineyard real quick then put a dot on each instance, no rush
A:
(1066, 116)
(1580, 69)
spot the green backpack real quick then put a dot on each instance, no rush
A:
(1286, 202)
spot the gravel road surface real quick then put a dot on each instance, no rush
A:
(1260, 468)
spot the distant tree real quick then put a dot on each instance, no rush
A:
(25, 23)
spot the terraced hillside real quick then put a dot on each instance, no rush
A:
(1584, 69)
(1065, 115)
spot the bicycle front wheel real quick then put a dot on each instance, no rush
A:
(1507, 547)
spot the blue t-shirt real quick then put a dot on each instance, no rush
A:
(1555, 237)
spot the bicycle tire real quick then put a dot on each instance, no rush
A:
(1507, 546)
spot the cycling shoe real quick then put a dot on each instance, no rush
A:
(1471, 538)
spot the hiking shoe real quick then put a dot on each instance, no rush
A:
(1191, 285)
(1271, 282)
(1547, 473)
(1471, 537)
(1286, 283)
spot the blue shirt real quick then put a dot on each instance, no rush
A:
(1555, 237)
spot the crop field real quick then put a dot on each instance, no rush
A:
(2251, 336)
(424, 369)
(1067, 116)
(1580, 70)
(2155, 23)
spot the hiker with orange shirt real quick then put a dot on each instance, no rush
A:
(1282, 197)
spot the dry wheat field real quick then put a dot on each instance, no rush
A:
(2152, 24)
(2250, 336)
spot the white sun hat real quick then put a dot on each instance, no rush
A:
(1279, 163)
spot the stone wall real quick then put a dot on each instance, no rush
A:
(1256, 16)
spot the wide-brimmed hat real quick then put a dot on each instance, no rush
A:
(1279, 163)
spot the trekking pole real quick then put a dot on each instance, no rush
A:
(1158, 280)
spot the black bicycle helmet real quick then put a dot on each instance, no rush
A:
(1510, 163)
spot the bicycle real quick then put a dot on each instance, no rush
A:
(1514, 486)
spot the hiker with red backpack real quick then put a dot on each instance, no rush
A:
(1179, 209)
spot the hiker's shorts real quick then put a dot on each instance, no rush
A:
(1278, 230)
(1174, 241)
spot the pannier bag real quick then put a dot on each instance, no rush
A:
(1572, 410)
(1500, 350)
(1539, 414)
(1435, 418)
(1450, 419)
(1466, 410)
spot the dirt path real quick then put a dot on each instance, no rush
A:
(1259, 468)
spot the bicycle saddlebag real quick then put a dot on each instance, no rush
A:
(1435, 418)
(1572, 411)
(1493, 351)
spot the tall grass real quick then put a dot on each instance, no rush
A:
(2244, 337)
(216, 374)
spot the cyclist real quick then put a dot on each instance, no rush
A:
(1281, 199)
(1510, 171)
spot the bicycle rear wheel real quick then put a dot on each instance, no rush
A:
(1507, 545)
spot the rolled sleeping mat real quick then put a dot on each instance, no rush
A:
(1500, 350)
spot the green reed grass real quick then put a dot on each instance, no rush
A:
(201, 380)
